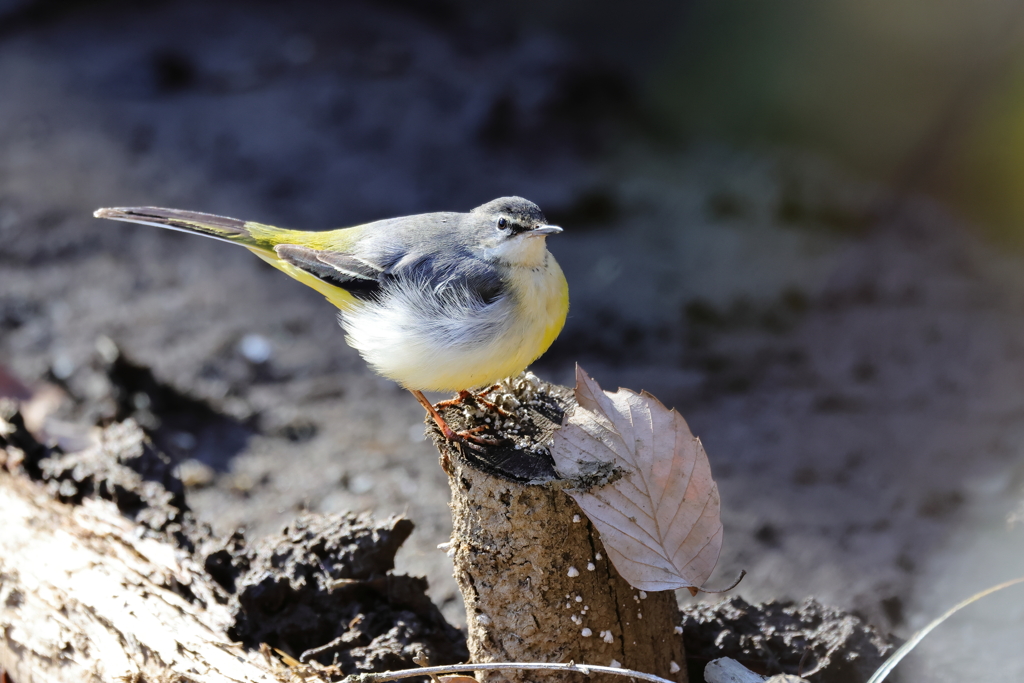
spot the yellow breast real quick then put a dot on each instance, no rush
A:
(419, 352)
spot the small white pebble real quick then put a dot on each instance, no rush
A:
(487, 420)
(579, 598)
(586, 608)
(483, 620)
(598, 557)
(673, 668)
(591, 566)
(586, 633)
(643, 595)
(575, 519)
(679, 630)
(573, 572)
(568, 605)
(255, 348)
(636, 598)
(615, 664)
(639, 615)
(361, 483)
(608, 637)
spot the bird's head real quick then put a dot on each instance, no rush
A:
(511, 230)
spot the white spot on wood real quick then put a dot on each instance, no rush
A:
(573, 572)
(591, 567)
(679, 630)
(673, 668)
(575, 519)
(643, 595)
(586, 633)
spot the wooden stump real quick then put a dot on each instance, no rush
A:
(536, 581)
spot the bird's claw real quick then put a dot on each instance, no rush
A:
(477, 398)
(471, 437)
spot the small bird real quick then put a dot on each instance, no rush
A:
(447, 302)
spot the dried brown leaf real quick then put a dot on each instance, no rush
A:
(659, 518)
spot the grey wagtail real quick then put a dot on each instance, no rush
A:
(436, 302)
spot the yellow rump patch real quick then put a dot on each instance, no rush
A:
(336, 295)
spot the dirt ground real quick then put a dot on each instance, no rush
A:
(857, 383)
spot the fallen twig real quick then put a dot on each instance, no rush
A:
(584, 669)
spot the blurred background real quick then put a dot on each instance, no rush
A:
(800, 223)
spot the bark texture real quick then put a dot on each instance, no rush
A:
(536, 581)
(538, 585)
(84, 597)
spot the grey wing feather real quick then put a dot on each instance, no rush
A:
(350, 265)
(403, 250)
(357, 276)
(461, 275)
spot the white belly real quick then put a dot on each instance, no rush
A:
(448, 341)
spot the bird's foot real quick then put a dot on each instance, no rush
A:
(470, 437)
(477, 398)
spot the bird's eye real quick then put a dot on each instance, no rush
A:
(502, 222)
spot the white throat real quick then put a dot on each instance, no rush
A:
(528, 251)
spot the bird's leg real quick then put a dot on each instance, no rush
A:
(478, 398)
(466, 435)
(448, 403)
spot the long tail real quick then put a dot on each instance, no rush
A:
(255, 236)
(258, 238)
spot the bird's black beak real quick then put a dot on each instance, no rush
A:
(545, 230)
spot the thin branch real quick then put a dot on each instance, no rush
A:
(905, 649)
(584, 669)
